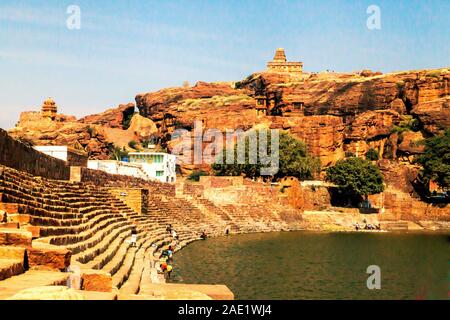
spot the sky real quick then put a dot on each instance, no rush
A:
(128, 47)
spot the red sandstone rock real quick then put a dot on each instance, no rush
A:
(10, 252)
(96, 280)
(48, 257)
(15, 237)
(113, 118)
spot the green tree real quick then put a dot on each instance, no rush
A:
(436, 160)
(115, 153)
(132, 144)
(356, 176)
(293, 160)
(372, 155)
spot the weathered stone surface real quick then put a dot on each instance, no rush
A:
(412, 143)
(169, 291)
(96, 280)
(48, 293)
(113, 118)
(434, 114)
(19, 218)
(10, 252)
(398, 176)
(35, 230)
(15, 237)
(48, 257)
(143, 127)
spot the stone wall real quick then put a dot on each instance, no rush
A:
(135, 198)
(76, 158)
(221, 182)
(15, 154)
(100, 178)
(305, 197)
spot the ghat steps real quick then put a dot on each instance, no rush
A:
(62, 223)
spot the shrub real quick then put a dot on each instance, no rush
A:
(132, 144)
(195, 175)
(372, 155)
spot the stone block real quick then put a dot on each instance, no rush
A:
(10, 252)
(43, 256)
(48, 293)
(10, 208)
(15, 237)
(9, 225)
(96, 280)
(19, 218)
(35, 230)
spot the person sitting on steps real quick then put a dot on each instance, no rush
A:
(203, 236)
(133, 237)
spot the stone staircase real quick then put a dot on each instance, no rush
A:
(50, 226)
(88, 222)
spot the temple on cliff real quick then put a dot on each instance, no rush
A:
(49, 109)
(280, 64)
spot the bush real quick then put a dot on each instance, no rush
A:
(195, 175)
(356, 176)
(132, 144)
(372, 155)
(349, 154)
(436, 160)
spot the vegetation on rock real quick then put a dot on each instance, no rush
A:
(195, 175)
(436, 160)
(116, 153)
(372, 155)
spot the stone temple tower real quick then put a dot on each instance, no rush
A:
(280, 64)
(49, 109)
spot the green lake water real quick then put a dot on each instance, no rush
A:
(310, 265)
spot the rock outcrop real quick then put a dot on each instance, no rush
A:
(335, 114)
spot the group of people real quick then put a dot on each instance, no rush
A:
(367, 226)
(166, 262)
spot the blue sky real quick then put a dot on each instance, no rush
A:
(128, 47)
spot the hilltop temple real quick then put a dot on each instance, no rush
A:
(49, 109)
(280, 64)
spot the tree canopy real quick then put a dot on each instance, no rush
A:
(293, 160)
(436, 160)
(356, 176)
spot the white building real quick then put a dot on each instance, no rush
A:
(72, 156)
(119, 167)
(157, 165)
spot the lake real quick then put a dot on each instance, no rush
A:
(313, 265)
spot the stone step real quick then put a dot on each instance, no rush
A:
(31, 279)
(74, 239)
(9, 208)
(10, 268)
(15, 237)
(125, 270)
(102, 242)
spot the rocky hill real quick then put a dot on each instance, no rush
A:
(333, 113)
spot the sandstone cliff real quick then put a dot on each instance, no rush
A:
(333, 113)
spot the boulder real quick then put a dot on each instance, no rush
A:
(15, 237)
(44, 256)
(96, 280)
